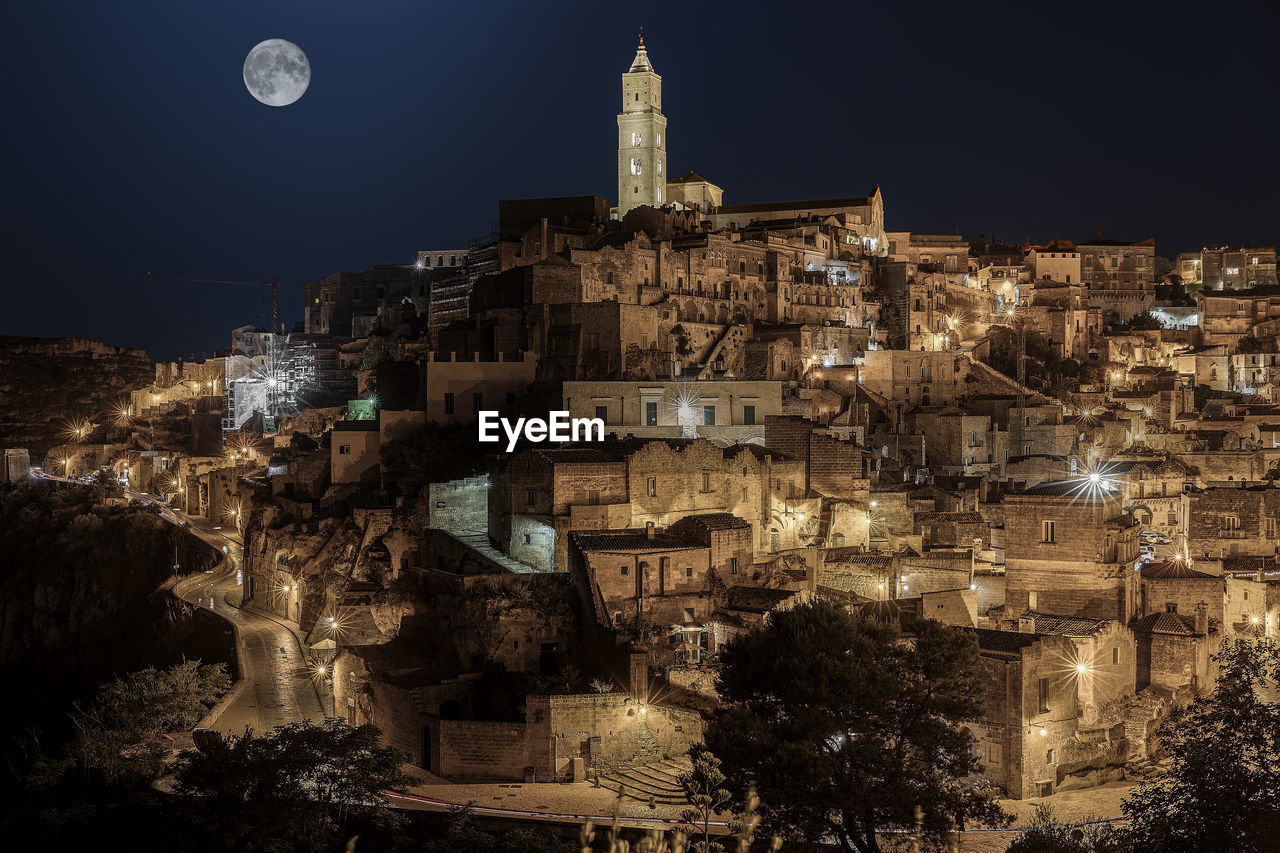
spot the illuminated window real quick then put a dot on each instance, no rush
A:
(651, 488)
(635, 165)
(635, 140)
(659, 139)
(659, 167)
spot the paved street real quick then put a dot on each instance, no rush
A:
(277, 687)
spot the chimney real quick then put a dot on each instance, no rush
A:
(1202, 619)
(1026, 624)
(648, 529)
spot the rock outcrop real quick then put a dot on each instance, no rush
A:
(44, 381)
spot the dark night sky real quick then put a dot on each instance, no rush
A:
(131, 144)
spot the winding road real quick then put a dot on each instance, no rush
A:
(276, 687)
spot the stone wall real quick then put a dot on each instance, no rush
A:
(459, 504)
(606, 731)
(478, 750)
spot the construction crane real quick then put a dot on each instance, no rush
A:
(273, 282)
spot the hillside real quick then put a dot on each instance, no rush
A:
(45, 380)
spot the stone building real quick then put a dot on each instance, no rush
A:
(1028, 739)
(538, 496)
(724, 412)
(642, 148)
(456, 389)
(1234, 520)
(1069, 550)
(346, 304)
(667, 577)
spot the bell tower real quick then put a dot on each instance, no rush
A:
(642, 137)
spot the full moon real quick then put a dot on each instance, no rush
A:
(277, 72)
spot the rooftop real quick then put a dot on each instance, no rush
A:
(1066, 626)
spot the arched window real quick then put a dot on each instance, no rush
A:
(636, 139)
(635, 166)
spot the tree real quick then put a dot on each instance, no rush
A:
(1223, 789)
(1044, 834)
(702, 786)
(296, 787)
(146, 704)
(845, 725)
(117, 737)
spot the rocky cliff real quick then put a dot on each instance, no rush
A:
(46, 380)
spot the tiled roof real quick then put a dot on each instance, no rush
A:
(1003, 642)
(620, 541)
(755, 599)
(1077, 489)
(1170, 569)
(712, 521)
(1065, 626)
(1166, 623)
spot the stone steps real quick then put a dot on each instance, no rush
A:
(657, 780)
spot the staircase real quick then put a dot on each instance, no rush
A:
(658, 780)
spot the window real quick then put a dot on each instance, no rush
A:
(530, 497)
(448, 404)
(344, 450)
(658, 164)
(1271, 528)
(593, 497)
(733, 565)
(528, 539)
(478, 400)
(1047, 531)
(635, 165)
(651, 413)
(636, 139)
(1171, 607)
(706, 481)
(658, 139)
(1048, 756)
(709, 415)
(623, 570)
(749, 415)
(1042, 691)
(602, 412)
(744, 494)
(1231, 522)
(688, 571)
(651, 487)
(1115, 656)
